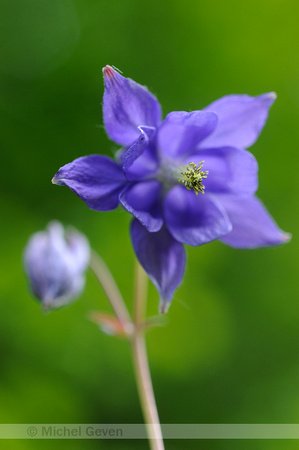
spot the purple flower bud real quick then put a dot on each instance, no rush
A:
(55, 261)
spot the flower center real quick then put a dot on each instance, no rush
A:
(192, 177)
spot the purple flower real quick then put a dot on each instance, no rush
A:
(55, 263)
(186, 179)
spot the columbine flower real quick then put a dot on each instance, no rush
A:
(55, 263)
(186, 180)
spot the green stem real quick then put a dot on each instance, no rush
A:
(110, 288)
(141, 366)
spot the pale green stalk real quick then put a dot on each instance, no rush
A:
(137, 339)
(110, 288)
(141, 366)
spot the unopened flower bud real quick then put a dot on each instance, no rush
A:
(55, 261)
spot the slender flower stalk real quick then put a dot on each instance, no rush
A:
(135, 331)
(141, 366)
(110, 288)
(140, 295)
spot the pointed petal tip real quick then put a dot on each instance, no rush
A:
(272, 95)
(286, 237)
(108, 71)
(56, 180)
(163, 306)
(110, 76)
(111, 73)
(270, 98)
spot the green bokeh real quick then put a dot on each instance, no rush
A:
(229, 353)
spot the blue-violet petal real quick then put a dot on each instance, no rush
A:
(241, 119)
(126, 106)
(252, 224)
(163, 259)
(96, 179)
(231, 170)
(181, 132)
(194, 219)
(142, 200)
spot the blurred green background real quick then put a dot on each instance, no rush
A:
(229, 353)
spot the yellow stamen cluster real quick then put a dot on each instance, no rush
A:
(193, 176)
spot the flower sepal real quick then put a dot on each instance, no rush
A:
(111, 325)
